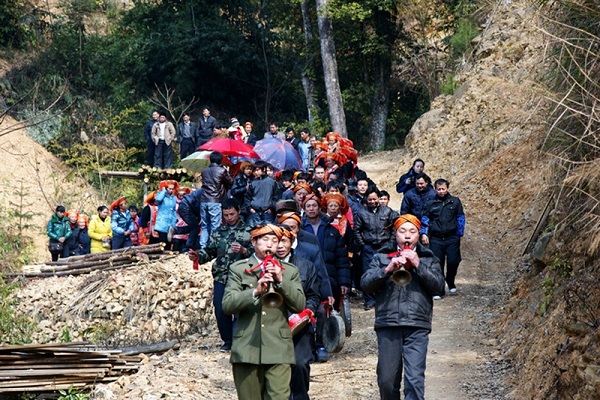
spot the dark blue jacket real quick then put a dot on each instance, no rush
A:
(310, 281)
(402, 186)
(189, 208)
(307, 247)
(205, 129)
(335, 253)
(79, 243)
(414, 202)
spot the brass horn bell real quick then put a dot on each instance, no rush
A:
(271, 298)
(401, 276)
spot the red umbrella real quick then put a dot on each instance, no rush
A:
(229, 147)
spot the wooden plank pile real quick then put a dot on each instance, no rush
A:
(148, 173)
(54, 366)
(109, 260)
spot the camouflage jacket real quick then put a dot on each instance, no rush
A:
(219, 247)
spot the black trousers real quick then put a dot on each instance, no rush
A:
(150, 147)
(163, 155)
(186, 147)
(301, 370)
(401, 349)
(448, 251)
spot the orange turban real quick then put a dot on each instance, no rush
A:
(407, 218)
(164, 184)
(311, 196)
(151, 198)
(337, 198)
(302, 186)
(84, 218)
(72, 212)
(268, 229)
(289, 215)
(333, 135)
(186, 190)
(288, 233)
(117, 203)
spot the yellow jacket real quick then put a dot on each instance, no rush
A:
(97, 230)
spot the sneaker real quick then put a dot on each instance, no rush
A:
(453, 290)
(225, 348)
(437, 297)
(322, 355)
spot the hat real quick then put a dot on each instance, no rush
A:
(235, 122)
(268, 229)
(407, 218)
(337, 198)
(286, 205)
(249, 123)
(117, 203)
(352, 184)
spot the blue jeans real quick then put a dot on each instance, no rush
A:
(401, 348)
(260, 218)
(211, 216)
(120, 242)
(225, 322)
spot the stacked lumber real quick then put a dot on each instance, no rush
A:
(107, 261)
(54, 366)
(148, 173)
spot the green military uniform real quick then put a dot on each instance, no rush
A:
(219, 247)
(262, 347)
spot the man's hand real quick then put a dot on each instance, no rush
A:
(395, 263)
(263, 284)
(238, 248)
(61, 239)
(425, 239)
(344, 290)
(411, 257)
(275, 270)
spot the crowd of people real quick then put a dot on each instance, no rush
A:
(313, 236)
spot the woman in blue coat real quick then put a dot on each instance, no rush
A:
(166, 216)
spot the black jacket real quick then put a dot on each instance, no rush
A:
(307, 247)
(205, 128)
(238, 189)
(215, 183)
(374, 227)
(310, 281)
(194, 132)
(410, 305)
(79, 243)
(443, 217)
(189, 208)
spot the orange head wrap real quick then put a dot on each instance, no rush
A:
(407, 218)
(268, 229)
(151, 198)
(287, 232)
(249, 123)
(165, 184)
(333, 135)
(311, 196)
(302, 186)
(289, 215)
(83, 217)
(72, 212)
(117, 203)
(337, 198)
(186, 190)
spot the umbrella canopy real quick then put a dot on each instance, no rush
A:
(199, 160)
(229, 147)
(279, 153)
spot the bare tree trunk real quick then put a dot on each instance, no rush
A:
(307, 82)
(385, 28)
(380, 103)
(330, 72)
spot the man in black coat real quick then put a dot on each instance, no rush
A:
(189, 211)
(403, 314)
(150, 146)
(303, 339)
(206, 124)
(188, 136)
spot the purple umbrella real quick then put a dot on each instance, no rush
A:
(279, 153)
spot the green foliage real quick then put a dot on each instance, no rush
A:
(460, 42)
(65, 335)
(449, 85)
(15, 246)
(101, 332)
(14, 328)
(72, 394)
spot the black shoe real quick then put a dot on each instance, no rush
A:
(225, 348)
(369, 305)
